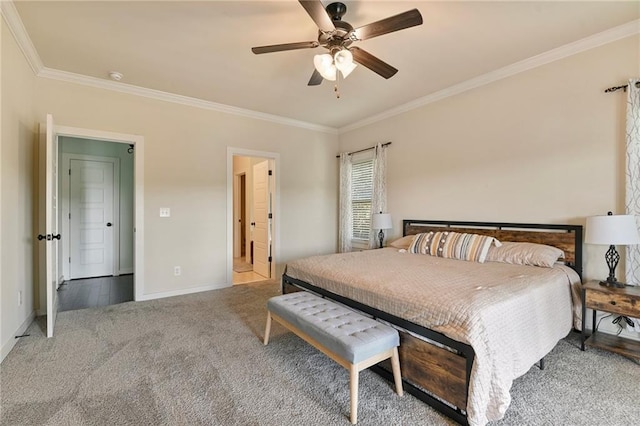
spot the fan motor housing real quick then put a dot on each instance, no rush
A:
(336, 10)
(340, 37)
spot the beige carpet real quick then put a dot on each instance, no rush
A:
(198, 360)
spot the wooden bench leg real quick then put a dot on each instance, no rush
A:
(267, 330)
(395, 365)
(354, 373)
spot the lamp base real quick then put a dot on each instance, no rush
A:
(615, 284)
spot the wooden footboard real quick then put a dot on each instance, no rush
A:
(436, 370)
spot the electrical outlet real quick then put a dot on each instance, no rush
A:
(165, 212)
(177, 270)
(20, 298)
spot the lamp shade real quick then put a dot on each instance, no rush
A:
(324, 65)
(381, 221)
(347, 69)
(612, 230)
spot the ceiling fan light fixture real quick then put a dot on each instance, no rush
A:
(346, 69)
(324, 65)
(343, 60)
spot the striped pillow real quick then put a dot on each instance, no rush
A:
(453, 245)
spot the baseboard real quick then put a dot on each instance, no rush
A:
(181, 292)
(11, 342)
(125, 271)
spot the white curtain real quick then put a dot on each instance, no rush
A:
(379, 195)
(346, 216)
(633, 180)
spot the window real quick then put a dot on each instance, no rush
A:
(361, 190)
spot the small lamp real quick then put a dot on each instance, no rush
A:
(611, 230)
(381, 221)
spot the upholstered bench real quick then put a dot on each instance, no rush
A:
(350, 339)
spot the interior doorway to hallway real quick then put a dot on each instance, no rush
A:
(96, 181)
(253, 218)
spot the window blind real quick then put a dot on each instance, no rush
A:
(361, 190)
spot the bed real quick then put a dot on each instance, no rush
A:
(468, 329)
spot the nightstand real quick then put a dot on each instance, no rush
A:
(620, 301)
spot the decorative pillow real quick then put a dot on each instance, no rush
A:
(453, 245)
(525, 254)
(420, 243)
(403, 243)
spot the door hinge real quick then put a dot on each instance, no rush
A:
(269, 259)
(69, 259)
(69, 172)
(69, 215)
(270, 172)
(270, 215)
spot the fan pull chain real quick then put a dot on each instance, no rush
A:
(336, 88)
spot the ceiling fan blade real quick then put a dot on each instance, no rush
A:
(316, 10)
(286, 46)
(404, 20)
(376, 65)
(315, 79)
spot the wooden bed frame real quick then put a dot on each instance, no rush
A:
(436, 368)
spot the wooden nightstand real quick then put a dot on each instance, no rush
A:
(620, 301)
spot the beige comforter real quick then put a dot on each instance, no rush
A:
(511, 315)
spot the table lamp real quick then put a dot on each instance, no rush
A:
(381, 221)
(612, 230)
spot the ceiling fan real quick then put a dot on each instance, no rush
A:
(336, 36)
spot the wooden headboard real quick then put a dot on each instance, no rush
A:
(565, 237)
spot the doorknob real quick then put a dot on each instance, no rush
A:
(44, 237)
(56, 237)
(108, 223)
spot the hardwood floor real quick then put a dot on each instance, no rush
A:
(243, 272)
(247, 277)
(95, 292)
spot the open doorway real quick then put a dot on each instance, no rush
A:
(96, 181)
(253, 218)
(49, 259)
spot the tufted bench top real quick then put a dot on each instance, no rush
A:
(350, 335)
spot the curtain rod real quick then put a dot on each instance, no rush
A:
(365, 149)
(624, 88)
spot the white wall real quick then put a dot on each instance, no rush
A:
(18, 224)
(544, 146)
(185, 170)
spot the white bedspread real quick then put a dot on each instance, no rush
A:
(511, 315)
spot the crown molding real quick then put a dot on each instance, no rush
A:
(19, 32)
(12, 18)
(608, 36)
(159, 95)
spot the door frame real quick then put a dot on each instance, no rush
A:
(66, 209)
(138, 189)
(237, 214)
(275, 223)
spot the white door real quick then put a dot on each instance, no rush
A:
(91, 221)
(261, 211)
(48, 207)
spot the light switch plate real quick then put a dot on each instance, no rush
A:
(165, 212)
